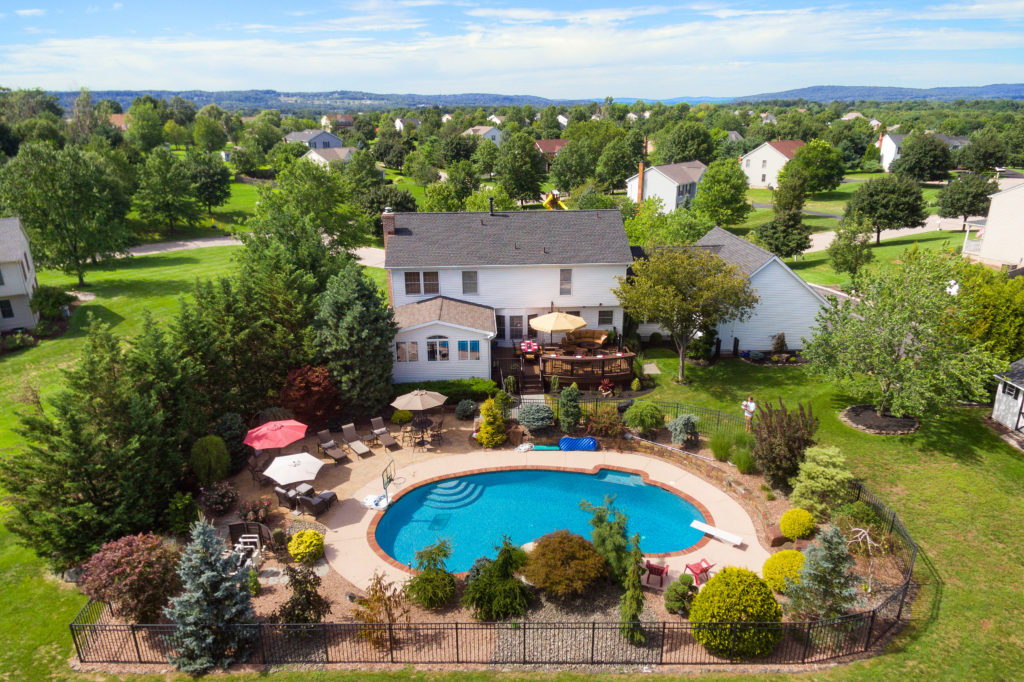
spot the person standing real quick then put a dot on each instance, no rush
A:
(749, 407)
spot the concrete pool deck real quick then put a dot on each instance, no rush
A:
(350, 553)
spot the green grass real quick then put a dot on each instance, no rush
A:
(228, 218)
(959, 490)
(815, 266)
(402, 182)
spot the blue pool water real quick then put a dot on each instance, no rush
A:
(474, 511)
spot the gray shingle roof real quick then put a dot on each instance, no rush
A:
(683, 173)
(444, 309)
(11, 245)
(507, 238)
(1014, 375)
(735, 250)
(307, 135)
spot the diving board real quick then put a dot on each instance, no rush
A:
(722, 535)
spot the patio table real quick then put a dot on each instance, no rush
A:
(528, 346)
(589, 345)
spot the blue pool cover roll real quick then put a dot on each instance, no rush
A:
(567, 443)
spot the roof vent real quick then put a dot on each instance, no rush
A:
(515, 245)
(544, 249)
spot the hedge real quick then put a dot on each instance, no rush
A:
(477, 390)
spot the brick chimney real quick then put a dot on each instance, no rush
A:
(387, 219)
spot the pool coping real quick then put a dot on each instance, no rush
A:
(371, 530)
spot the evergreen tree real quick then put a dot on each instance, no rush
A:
(827, 586)
(214, 605)
(354, 334)
(165, 190)
(569, 413)
(211, 179)
(786, 235)
(610, 537)
(631, 606)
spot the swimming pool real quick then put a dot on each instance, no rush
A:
(475, 510)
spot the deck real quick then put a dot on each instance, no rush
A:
(534, 371)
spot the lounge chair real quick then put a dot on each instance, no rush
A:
(285, 498)
(354, 441)
(315, 506)
(655, 570)
(330, 448)
(382, 432)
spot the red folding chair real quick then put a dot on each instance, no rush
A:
(698, 569)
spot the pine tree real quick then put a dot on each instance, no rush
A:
(354, 333)
(569, 409)
(214, 602)
(610, 536)
(631, 606)
(827, 586)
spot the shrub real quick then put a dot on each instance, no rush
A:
(218, 498)
(779, 343)
(606, 386)
(232, 428)
(306, 546)
(605, 422)
(655, 339)
(384, 604)
(797, 524)
(780, 438)
(434, 586)
(503, 401)
(492, 427)
(644, 417)
(274, 414)
(721, 446)
(401, 417)
(679, 595)
(306, 604)
(554, 384)
(703, 347)
(477, 390)
(136, 575)
(252, 579)
(310, 394)
(744, 461)
(564, 564)
(477, 568)
(509, 384)
(18, 340)
(631, 606)
(255, 510)
(49, 301)
(683, 428)
(44, 328)
(569, 409)
(209, 459)
(536, 416)
(181, 512)
(823, 482)
(635, 384)
(827, 586)
(610, 536)
(756, 356)
(496, 593)
(279, 537)
(775, 359)
(791, 358)
(736, 595)
(782, 566)
(465, 409)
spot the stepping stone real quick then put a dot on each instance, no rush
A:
(271, 576)
(651, 368)
(321, 568)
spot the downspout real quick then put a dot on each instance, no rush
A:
(640, 185)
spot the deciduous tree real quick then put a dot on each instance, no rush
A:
(986, 151)
(965, 196)
(145, 125)
(520, 167)
(208, 132)
(887, 203)
(616, 163)
(722, 194)
(165, 191)
(210, 177)
(850, 249)
(821, 163)
(922, 157)
(687, 141)
(574, 164)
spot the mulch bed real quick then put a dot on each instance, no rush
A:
(865, 418)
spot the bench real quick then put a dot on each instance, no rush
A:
(722, 535)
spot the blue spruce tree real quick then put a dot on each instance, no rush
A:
(827, 586)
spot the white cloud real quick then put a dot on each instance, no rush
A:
(30, 12)
(117, 5)
(1010, 9)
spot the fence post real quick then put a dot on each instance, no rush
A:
(457, 657)
(523, 626)
(732, 639)
(859, 489)
(74, 640)
(593, 639)
(391, 641)
(135, 640)
(263, 642)
(327, 648)
(807, 643)
(871, 626)
(903, 595)
(661, 653)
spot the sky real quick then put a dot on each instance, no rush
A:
(561, 50)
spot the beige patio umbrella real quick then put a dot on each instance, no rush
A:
(557, 322)
(419, 400)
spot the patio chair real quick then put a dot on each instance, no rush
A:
(315, 506)
(656, 570)
(354, 441)
(330, 448)
(256, 471)
(436, 431)
(285, 498)
(698, 569)
(382, 432)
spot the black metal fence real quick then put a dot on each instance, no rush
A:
(709, 421)
(98, 640)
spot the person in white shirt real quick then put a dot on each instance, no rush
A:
(749, 407)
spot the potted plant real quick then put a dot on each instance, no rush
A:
(605, 388)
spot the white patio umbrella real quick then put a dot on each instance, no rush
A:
(419, 400)
(288, 469)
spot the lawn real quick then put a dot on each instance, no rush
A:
(815, 266)
(958, 488)
(228, 218)
(402, 182)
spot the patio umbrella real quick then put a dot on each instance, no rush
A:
(557, 322)
(275, 434)
(288, 469)
(419, 400)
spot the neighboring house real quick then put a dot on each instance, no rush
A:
(331, 122)
(852, 116)
(495, 119)
(631, 117)
(458, 281)
(446, 117)
(17, 277)
(786, 303)
(325, 156)
(550, 149)
(889, 145)
(874, 123)
(767, 117)
(1000, 236)
(314, 138)
(563, 120)
(733, 136)
(119, 121)
(489, 132)
(402, 123)
(762, 165)
(1008, 409)
(674, 183)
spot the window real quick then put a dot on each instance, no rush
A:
(6, 310)
(412, 283)
(605, 318)
(748, 163)
(530, 330)
(573, 312)
(24, 272)
(515, 326)
(1008, 388)
(565, 282)
(430, 283)
(499, 326)
(764, 163)
(1, 277)
(437, 348)
(469, 281)
(469, 350)
(763, 176)
(407, 351)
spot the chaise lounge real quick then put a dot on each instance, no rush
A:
(354, 441)
(331, 448)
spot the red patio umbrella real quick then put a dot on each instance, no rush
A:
(275, 434)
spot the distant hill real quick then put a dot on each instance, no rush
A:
(853, 93)
(332, 101)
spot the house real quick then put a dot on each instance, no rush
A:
(488, 132)
(1000, 238)
(767, 118)
(459, 281)
(733, 136)
(119, 121)
(17, 277)
(402, 123)
(762, 165)
(853, 115)
(632, 118)
(874, 123)
(446, 117)
(550, 149)
(786, 303)
(331, 122)
(495, 119)
(889, 145)
(314, 138)
(674, 183)
(325, 156)
(563, 120)
(1008, 409)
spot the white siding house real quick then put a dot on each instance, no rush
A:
(1000, 236)
(889, 146)
(675, 184)
(17, 277)
(1008, 408)
(762, 165)
(442, 338)
(487, 132)
(325, 156)
(315, 139)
